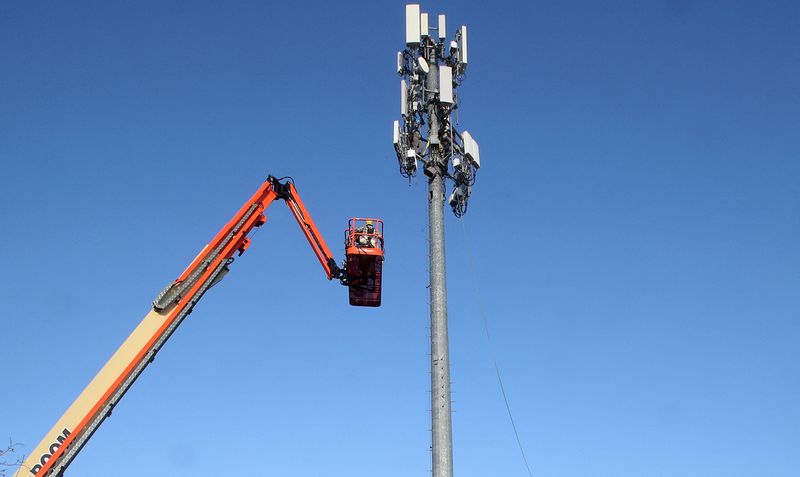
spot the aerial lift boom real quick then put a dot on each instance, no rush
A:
(361, 272)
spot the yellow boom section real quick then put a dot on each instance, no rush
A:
(93, 394)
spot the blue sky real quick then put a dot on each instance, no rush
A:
(635, 227)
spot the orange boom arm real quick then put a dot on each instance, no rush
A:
(96, 402)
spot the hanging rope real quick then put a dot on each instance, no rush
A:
(491, 345)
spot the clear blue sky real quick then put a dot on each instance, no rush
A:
(636, 227)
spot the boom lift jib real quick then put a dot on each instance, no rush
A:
(361, 272)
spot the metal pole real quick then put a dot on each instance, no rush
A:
(432, 68)
(432, 85)
(441, 427)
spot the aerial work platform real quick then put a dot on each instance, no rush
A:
(364, 250)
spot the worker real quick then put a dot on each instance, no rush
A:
(367, 235)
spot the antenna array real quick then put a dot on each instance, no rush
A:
(432, 70)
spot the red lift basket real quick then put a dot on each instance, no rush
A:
(364, 250)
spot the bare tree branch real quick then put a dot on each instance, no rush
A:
(6, 456)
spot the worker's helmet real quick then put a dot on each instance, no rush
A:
(369, 222)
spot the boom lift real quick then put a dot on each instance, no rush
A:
(361, 272)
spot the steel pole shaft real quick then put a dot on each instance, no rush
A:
(441, 425)
(432, 84)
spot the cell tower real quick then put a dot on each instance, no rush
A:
(432, 69)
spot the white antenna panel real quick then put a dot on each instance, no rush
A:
(403, 98)
(472, 152)
(412, 25)
(476, 154)
(399, 62)
(442, 28)
(445, 84)
(423, 24)
(396, 134)
(462, 47)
